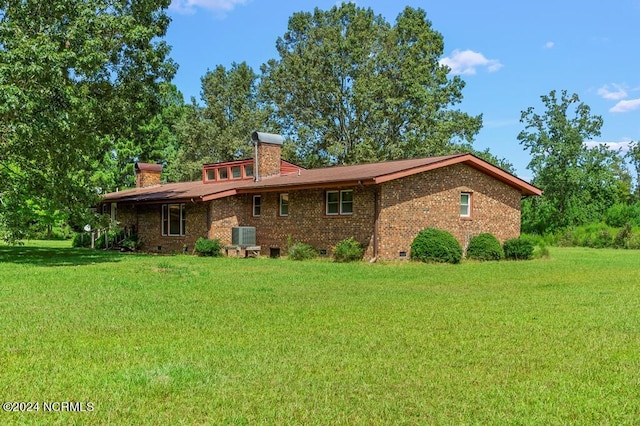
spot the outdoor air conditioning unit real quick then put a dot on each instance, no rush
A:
(243, 236)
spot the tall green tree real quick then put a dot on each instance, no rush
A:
(633, 156)
(152, 140)
(220, 128)
(76, 76)
(579, 183)
(349, 87)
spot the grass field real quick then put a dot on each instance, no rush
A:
(186, 340)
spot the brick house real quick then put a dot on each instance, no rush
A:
(382, 205)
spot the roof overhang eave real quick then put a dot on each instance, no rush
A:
(218, 195)
(143, 201)
(312, 185)
(471, 160)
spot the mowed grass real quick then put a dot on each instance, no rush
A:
(188, 340)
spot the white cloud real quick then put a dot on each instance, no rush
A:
(617, 93)
(549, 45)
(621, 147)
(466, 62)
(190, 6)
(626, 106)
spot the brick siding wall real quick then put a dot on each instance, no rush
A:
(406, 206)
(146, 178)
(432, 199)
(147, 220)
(268, 159)
(227, 213)
(127, 216)
(306, 222)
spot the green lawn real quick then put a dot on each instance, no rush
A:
(184, 340)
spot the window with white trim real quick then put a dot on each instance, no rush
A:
(339, 202)
(465, 204)
(284, 204)
(114, 212)
(346, 202)
(256, 205)
(174, 220)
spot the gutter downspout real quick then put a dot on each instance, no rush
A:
(208, 224)
(256, 172)
(376, 214)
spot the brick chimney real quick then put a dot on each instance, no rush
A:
(267, 154)
(148, 174)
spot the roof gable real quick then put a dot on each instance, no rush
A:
(472, 161)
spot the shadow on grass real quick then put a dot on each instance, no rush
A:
(56, 256)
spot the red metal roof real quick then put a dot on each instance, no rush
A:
(365, 174)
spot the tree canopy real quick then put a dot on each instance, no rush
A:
(220, 129)
(78, 78)
(350, 88)
(85, 92)
(579, 183)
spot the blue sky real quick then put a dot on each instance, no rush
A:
(508, 53)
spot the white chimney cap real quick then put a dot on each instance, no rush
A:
(267, 138)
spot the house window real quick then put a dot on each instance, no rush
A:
(236, 172)
(256, 205)
(333, 202)
(465, 204)
(111, 210)
(339, 202)
(223, 173)
(114, 212)
(248, 170)
(173, 220)
(284, 204)
(346, 202)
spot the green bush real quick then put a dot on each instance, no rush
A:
(484, 247)
(635, 214)
(623, 236)
(541, 252)
(206, 247)
(81, 239)
(131, 243)
(595, 235)
(100, 242)
(435, 245)
(302, 251)
(348, 250)
(518, 249)
(603, 239)
(111, 237)
(618, 214)
(633, 242)
(39, 231)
